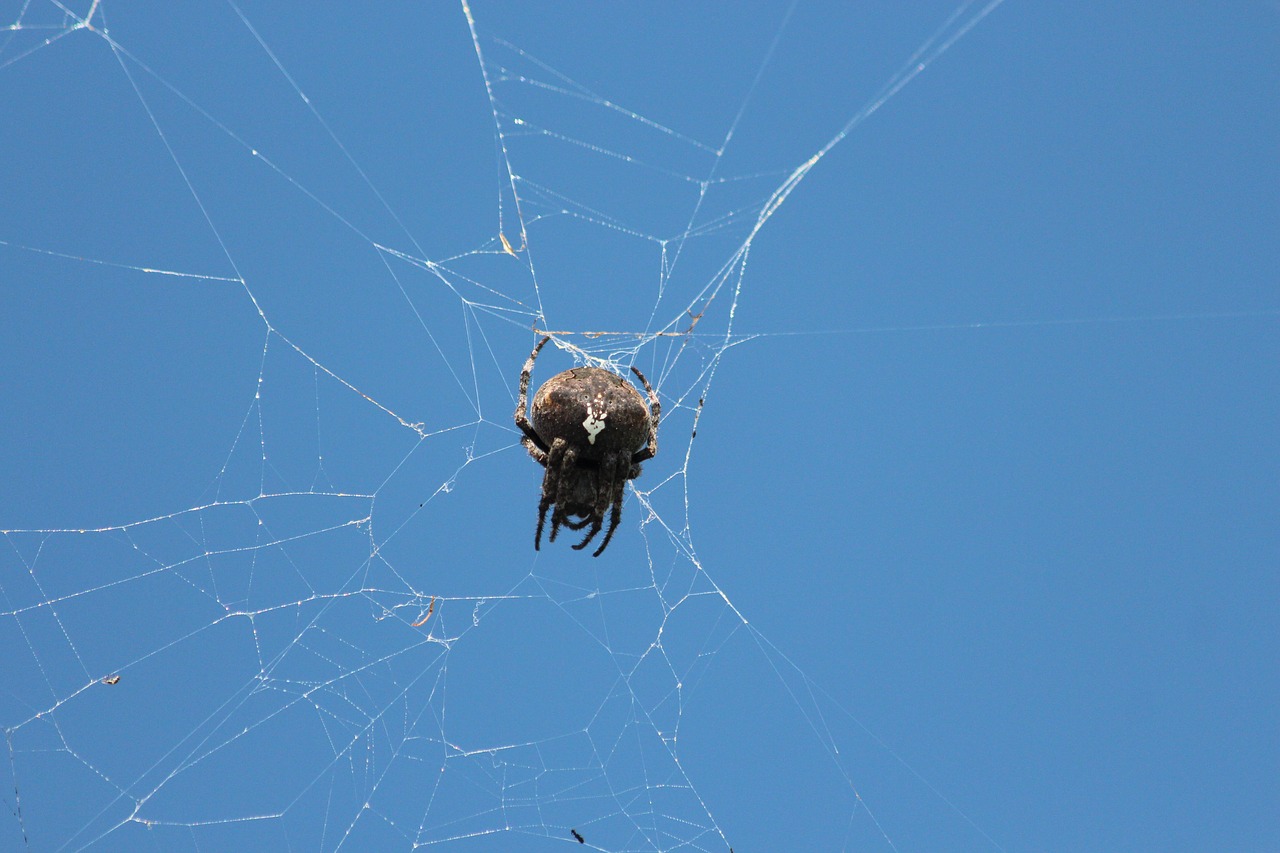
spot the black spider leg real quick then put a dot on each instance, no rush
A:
(591, 534)
(606, 483)
(568, 522)
(650, 449)
(522, 405)
(550, 489)
(615, 513)
(569, 461)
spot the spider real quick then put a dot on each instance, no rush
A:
(591, 430)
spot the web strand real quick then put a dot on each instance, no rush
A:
(322, 624)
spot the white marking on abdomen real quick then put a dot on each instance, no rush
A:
(594, 424)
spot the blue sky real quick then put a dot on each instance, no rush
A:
(975, 547)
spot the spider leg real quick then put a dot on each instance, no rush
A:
(650, 450)
(569, 460)
(522, 405)
(550, 488)
(606, 482)
(603, 482)
(591, 534)
(615, 513)
(538, 455)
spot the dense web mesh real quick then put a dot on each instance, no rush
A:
(268, 580)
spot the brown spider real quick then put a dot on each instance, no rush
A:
(591, 430)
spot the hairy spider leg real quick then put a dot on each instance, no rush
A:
(609, 483)
(606, 482)
(596, 521)
(569, 461)
(615, 513)
(538, 456)
(607, 486)
(522, 405)
(550, 486)
(614, 470)
(650, 450)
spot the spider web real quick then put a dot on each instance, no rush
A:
(268, 580)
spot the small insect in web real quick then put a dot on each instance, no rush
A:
(590, 430)
(431, 608)
(578, 836)
(111, 679)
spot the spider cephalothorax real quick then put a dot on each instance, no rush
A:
(591, 430)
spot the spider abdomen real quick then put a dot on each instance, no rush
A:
(594, 410)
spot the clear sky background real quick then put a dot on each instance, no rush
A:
(976, 545)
